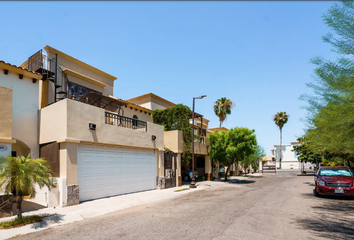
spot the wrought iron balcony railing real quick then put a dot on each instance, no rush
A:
(200, 139)
(121, 121)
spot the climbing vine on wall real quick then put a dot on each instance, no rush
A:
(177, 118)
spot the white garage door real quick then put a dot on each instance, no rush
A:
(109, 171)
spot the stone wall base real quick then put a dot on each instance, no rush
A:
(160, 183)
(73, 195)
(5, 206)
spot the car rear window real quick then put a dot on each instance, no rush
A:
(336, 172)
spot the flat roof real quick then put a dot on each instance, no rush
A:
(150, 95)
(50, 49)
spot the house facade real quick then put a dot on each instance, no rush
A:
(19, 97)
(289, 158)
(173, 140)
(96, 144)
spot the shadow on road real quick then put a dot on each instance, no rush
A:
(57, 218)
(309, 183)
(237, 181)
(332, 217)
(306, 175)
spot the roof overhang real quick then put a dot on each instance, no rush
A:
(20, 70)
(50, 49)
(84, 77)
(106, 102)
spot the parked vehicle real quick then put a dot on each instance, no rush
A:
(187, 174)
(334, 181)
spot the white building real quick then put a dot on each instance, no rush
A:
(289, 157)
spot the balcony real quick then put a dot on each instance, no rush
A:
(200, 139)
(68, 120)
(174, 142)
(121, 121)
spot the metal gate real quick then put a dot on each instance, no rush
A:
(308, 168)
(269, 169)
(170, 169)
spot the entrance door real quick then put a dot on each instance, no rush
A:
(170, 169)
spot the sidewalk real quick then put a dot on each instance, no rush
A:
(99, 207)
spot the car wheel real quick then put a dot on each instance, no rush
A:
(315, 193)
(185, 178)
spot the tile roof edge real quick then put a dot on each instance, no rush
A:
(11, 65)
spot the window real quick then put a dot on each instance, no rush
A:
(75, 90)
(135, 122)
(336, 172)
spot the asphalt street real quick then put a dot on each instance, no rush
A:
(275, 206)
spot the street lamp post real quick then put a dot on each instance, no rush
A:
(193, 179)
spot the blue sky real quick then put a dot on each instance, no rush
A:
(255, 53)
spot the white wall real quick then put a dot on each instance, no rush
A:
(25, 105)
(146, 105)
(289, 158)
(287, 154)
(155, 106)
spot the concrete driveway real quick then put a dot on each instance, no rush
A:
(280, 206)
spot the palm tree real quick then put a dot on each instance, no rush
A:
(280, 119)
(21, 174)
(222, 108)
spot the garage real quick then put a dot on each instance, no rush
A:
(105, 171)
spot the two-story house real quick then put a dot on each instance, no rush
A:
(97, 145)
(288, 157)
(19, 101)
(173, 140)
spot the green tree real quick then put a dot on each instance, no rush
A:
(280, 119)
(217, 149)
(222, 108)
(253, 159)
(233, 146)
(177, 118)
(305, 153)
(330, 108)
(22, 174)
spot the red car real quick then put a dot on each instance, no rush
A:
(334, 181)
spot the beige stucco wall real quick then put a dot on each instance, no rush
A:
(53, 120)
(207, 164)
(65, 64)
(68, 162)
(154, 106)
(174, 141)
(201, 148)
(6, 113)
(152, 102)
(71, 119)
(141, 115)
(160, 164)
